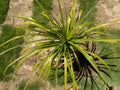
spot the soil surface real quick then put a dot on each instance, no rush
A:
(107, 10)
(16, 8)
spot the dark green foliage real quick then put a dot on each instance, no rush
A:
(31, 86)
(4, 6)
(112, 55)
(37, 10)
(7, 33)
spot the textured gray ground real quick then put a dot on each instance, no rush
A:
(107, 10)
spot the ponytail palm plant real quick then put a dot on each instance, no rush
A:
(70, 45)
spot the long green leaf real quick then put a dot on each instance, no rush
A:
(70, 67)
(100, 59)
(10, 49)
(61, 14)
(71, 20)
(32, 52)
(100, 26)
(12, 39)
(27, 18)
(96, 40)
(72, 11)
(65, 67)
(36, 24)
(85, 15)
(40, 5)
(53, 21)
(78, 17)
